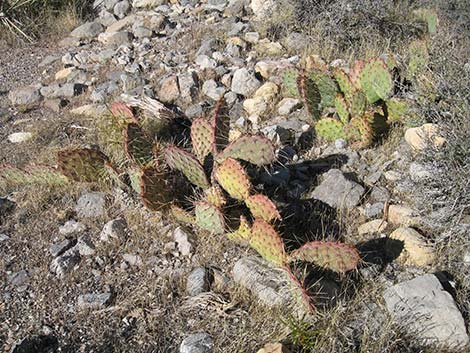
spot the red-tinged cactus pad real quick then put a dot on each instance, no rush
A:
(210, 218)
(344, 83)
(154, 189)
(122, 110)
(358, 104)
(262, 207)
(335, 256)
(181, 215)
(330, 129)
(254, 149)
(215, 196)
(342, 109)
(82, 164)
(326, 86)
(186, 163)
(232, 177)
(243, 233)
(203, 138)
(375, 80)
(220, 121)
(138, 146)
(310, 94)
(267, 242)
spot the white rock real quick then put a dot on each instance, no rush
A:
(18, 137)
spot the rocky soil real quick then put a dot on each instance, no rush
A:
(91, 270)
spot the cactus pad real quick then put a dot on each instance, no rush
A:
(360, 132)
(243, 233)
(254, 149)
(418, 58)
(121, 110)
(203, 138)
(187, 164)
(358, 103)
(289, 82)
(299, 291)
(310, 94)
(215, 196)
(333, 256)
(375, 80)
(326, 86)
(330, 129)
(267, 242)
(182, 216)
(397, 109)
(232, 177)
(262, 207)
(154, 189)
(82, 164)
(220, 122)
(344, 83)
(35, 174)
(342, 109)
(138, 147)
(209, 217)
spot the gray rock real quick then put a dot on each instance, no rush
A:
(121, 8)
(235, 8)
(67, 90)
(28, 95)
(91, 205)
(244, 82)
(211, 90)
(379, 194)
(19, 279)
(116, 39)
(266, 283)
(188, 86)
(87, 31)
(252, 37)
(147, 3)
(215, 5)
(109, 4)
(115, 229)
(106, 18)
(4, 237)
(142, 32)
(85, 245)
(49, 60)
(341, 144)
(207, 46)
(197, 343)
(94, 301)
(204, 62)
(419, 172)
(288, 105)
(182, 239)
(426, 310)
(338, 191)
(169, 89)
(75, 59)
(198, 281)
(374, 210)
(103, 91)
(133, 259)
(59, 248)
(65, 263)
(72, 227)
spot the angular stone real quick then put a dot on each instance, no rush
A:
(94, 301)
(403, 216)
(115, 39)
(19, 278)
(59, 248)
(85, 245)
(288, 105)
(415, 250)
(66, 90)
(91, 205)
(211, 90)
(197, 343)
(338, 191)
(133, 259)
(147, 3)
(182, 239)
(72, 227)
(244, 82)
(427, 312)
(87, 31)
(90, 110)
(425, 136)
(116, 229)
(142, 32)
(19, 137)
(169, 89)
(375, 226)
(27, 96)
(198, 281)
(65, 263)
(121, 24)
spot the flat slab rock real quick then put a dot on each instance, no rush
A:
(425, 309)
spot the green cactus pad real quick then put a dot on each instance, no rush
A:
(359, 132)
(330, 129)
(154, 190)
(262, 207)
(243, 233)
(209, 217)
(289, 83)
(418, 58)
(299, 291)
(82, 164)
(254, 149)
(232, 177)
(186, 163)
(215, 196)
(358, 103)
(11, 176)
(397, 109)
(310, 94)
(182, 216)
(135, 177)
(344, 83)
(375, 80)
(202, 138)
(138, 147)
(335, 256)
(326, 86)
(355, 72)
(267, 242)
(342, 109)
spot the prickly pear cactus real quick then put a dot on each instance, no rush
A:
(243, 233)
(203, 138)
(335, 256)
(342, 109)
(215, 196)
(232, 177)
(418, 58)
(209, 217)
(121, 110)
(138, 147)
(330, 129)
(254, 149)
(268, 243)
(397, 109)
(82, 164)
(182, 216)
(344, 83)
(289, 83)
(11, 176)
(186, 163)
(154, 190)
(262, 207)
(310, 94)
(326, 87)
(375, 80)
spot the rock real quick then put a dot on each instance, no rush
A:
(147, 3)
(121, 24)
(188, 86)
(19, 137)
(19, 279)
(91, 205)
(403, 216)
(198, 281)
(264, 9)
(211, 90)
(106, 18)
(338, 191)
(36, 344)
(288, 105)
(204, 62)
(255, 106)
(85, 245)
(266, 283)
(412, 247)
(169, 90)
(142, 32)
(115, 39)
(72, 227)
(133, 259)
(251, 37)
(419, 172)
(197, 343)
(425, 136)
(4, 237)
(427, 311)
(66, 90)
(115, 229)
(375, 226)
(26, 96)
(341, 144)
(65, 263)
(64, 73)
(94, 301)
(393, 175)
(182, 239)
(235, 8)
(244, 82)
(121, 8)
(90, 110)
(55, 105)
(88, 30)
(216, 5)
(267, 48)
(274, 348)
(49, 60)
(59, 248)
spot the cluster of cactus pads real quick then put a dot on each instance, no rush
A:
(220, 185)
(355, 104)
